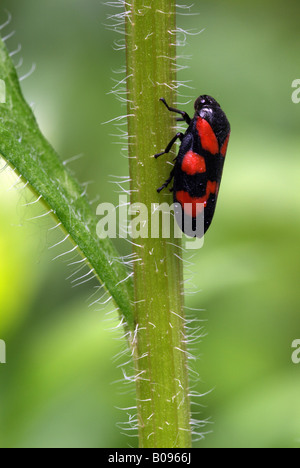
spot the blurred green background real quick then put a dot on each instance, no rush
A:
(61, 386)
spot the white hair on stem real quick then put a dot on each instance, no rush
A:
(193, 325)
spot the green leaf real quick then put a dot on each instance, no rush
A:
(24, 147)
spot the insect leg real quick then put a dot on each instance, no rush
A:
(178, 135)
(186, 118)
(168, 181)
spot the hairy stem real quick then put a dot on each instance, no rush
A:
(160, 350)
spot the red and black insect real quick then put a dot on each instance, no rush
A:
(199, 165)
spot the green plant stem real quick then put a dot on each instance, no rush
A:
(160, 344)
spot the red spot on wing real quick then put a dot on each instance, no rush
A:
(211, 187)
(224, 147)
(193, 163)
(207, 136)
(193, 206)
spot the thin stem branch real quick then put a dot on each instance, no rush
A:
(159, 348)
